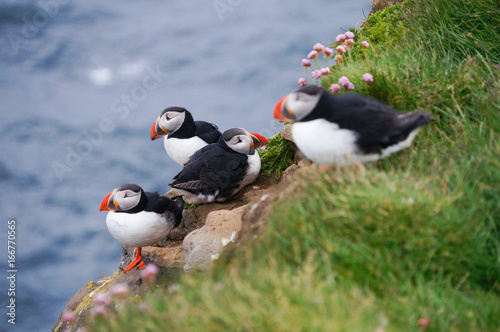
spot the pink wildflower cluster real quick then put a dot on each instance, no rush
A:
(314, 56)
(344, 43)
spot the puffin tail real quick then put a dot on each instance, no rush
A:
(407, 122)
(405, 125)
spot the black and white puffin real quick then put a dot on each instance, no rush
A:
(183, 135)
(221, 170)
(350, 128)
(139, 219)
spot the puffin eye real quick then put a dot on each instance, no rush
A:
(168, 118)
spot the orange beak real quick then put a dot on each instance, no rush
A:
(105, 203)
(263, 141)
(278, 109)
(154, 135)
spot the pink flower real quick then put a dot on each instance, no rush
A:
(349, 34)
(149, 273)
(173, 288)
(423, 322)
(306, 63)
(364, 44)
(316, 74)
(318, 47)
(312, 54)
(119, 290)
(98, 309)
(335, 88)
(340, 38)
(302, 82)
(328, 51)
(368, 78)
(325, 71)
(344, 81)
(102, 298)
(349, 42)
(341, 49)
(338, 59)
(68, 316)
(350, 86)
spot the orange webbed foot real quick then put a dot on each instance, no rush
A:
(137, 261)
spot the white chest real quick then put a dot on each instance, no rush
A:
(180, 149)
(325, 143)
(138, 229)
(252, 172)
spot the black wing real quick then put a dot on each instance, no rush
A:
(373, 121)
(160, 204)
(164, 204)
(207, 131)
(212, 169)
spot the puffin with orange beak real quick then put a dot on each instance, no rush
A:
(346, 129)
(221, 170)
(183, 135)
(138, 219)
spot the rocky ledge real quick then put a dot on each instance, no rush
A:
(192, 246)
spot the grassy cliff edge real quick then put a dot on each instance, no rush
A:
(410, 243)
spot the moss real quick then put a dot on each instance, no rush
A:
(386, 26)
(189, 206)
(135, 299)
(278, 156)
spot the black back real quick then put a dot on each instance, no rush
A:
(163, 204)
(190, 128)
(377, 125)
(215, 167)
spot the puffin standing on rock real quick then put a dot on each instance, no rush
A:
(347, 129)
(139, 219)
(183, 135)
(221, 170)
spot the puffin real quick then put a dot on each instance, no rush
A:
(346, 129)
(138, 219)
(183, 135)
(221, 170)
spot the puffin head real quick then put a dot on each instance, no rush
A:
(297, 105)
(169, 121)
(125, 198)
(240, 140)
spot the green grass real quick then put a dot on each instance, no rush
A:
(414, 235)
(278, 155)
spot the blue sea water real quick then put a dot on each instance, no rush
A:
(81, 84)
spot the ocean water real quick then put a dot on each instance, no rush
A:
(81, 84)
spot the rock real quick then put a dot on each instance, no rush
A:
(287, 132)
(382, 4)
(202, 245)
(169, 259)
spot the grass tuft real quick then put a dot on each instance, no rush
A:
(278, 155)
